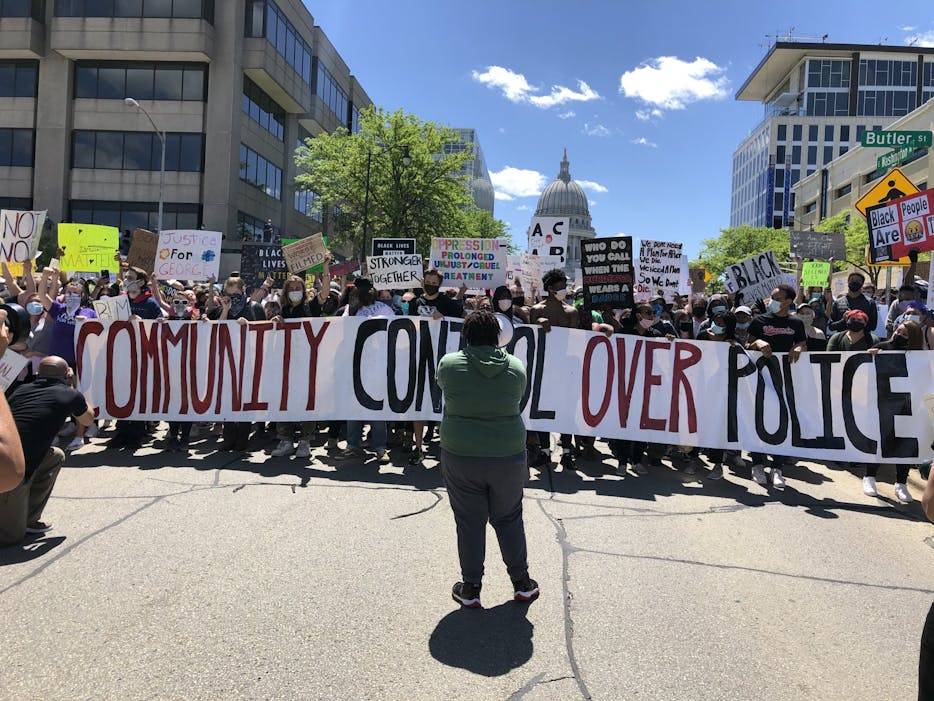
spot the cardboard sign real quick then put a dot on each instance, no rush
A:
(382, 247)
(817, 245)
(902, 225)
(143, 250)
(19, 235)
(815, 274)
(259, 261)
(533, 267)
(87, 246)
(659, 268)
(755, 277)
(346, 268)
(607, 272)
(513, 269)
(305, 253)
(111, 309)
(188, 255)
(11, 365)
(395, 271)
(471, 262)
(548, 236)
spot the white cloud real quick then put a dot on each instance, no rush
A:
(523, 208)
(567, 115)
(648, 115)
(592, 203)
(510, 183)
(596, 130)
(591, 185)
(502, 130)
(516, 88)
(668, 83)
(642, 141)
(924, 39)
(907, 28)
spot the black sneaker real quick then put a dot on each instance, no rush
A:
(467, 595)
(568, 462)
(38, 527)
(539, 459)
(525, 589)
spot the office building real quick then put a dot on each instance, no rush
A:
(478, 177)
(818, 100)
(235, 85)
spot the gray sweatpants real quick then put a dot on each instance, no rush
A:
(481, 490)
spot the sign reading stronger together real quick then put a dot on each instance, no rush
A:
(828, 406)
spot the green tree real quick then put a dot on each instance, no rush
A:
(736, 244)
(415, 187)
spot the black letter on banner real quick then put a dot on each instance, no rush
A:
(859, 441)
(400, 406)
(775, 372)
(528, 334)
(427, 367)
(732, 433)
(826, 439)
(892, 404)
(367, 329)
(535, 412)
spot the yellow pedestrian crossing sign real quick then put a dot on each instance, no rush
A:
(894, 185)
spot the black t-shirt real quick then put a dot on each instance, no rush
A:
(40, 409)
(782, 333)
(301, 311)
(444, 305)
(843, 304)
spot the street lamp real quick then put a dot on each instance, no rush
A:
(406, 160)
(130, 102)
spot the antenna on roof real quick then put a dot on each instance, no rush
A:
(790, 36)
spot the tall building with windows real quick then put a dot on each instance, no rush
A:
(478, 177)
(235, 85)
(818, 100)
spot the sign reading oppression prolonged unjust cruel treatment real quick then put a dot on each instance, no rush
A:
(473, 262)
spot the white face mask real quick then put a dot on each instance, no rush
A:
(295, 296)
(774, 306)
(912, 317)
(646, 323)
(561, 295)
(505, 305)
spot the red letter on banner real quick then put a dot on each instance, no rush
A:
(679, 379)
(595, 419)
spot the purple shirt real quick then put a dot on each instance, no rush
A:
(63, 330)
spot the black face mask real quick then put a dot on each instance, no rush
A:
(855, 326)
(431, 289)
(699, 313)
(518, 301)
(900, 342)
(855, 286)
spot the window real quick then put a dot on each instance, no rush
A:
(812, 155)
(796, 155)
(16, 148)
(828, 74)
(18, 78)
(257, 171)
(812, 132)
(253, 229)
(262, 109)
(304, 202)
(843, 149)
(782, 132)
(175, 9)
(885, 103)
(333, 95)
(827, 104)
(860, 128)
(779, 177)
(21, 8)
(845, 132)
(796, 130)
(131, 215)
(811, 207)
(845, 190)
(23, 204)
(779, 154)
(265, 19)
(106, 80)
(873, 72)
(136, 150)
(355, 121)
(828, 154)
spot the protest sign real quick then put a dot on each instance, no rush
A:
(260, 261)
(513, 269)
(607, 271)
(900, 226)
(87, 246)
(345, 268)
(11, 365)
(471, 262)
(305, 253)
(19, 235)
(815, 274)
(381, 247)
(755, 277)
(847, 407)
(110, 309)
(817, 245)
(188, 255)
(548, 236)
(659, 269)
(143, 250)
(395, 271)
(532, 267)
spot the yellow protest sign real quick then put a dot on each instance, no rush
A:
(88, 247)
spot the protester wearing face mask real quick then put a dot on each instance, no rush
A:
(856, 337)
(743, 321)
(142, 303)
(431, 302)
(816, 340)
(698, 317)
(906, 294)
(715, 305)
(64, 314)
(853, 300)
(662, 323)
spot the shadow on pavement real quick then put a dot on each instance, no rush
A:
(491, 642)
(29, 549)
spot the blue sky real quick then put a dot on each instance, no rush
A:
(641, 94)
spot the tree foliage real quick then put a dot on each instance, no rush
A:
(736, 244)
(420, 199)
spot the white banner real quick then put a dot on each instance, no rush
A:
(394, 271)
(548, 236)
(847, 407)
(188, 255)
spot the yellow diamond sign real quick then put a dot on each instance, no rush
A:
(891, 187)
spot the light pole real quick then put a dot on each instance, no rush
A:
(406, 160)
(130, 102)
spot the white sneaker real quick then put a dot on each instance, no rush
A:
(284, 448)
(78, 442)
(758, 474)
(304, 450)
(902, 493)
(869, 486)
(777, 480)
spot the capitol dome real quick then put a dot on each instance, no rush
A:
(565, 198)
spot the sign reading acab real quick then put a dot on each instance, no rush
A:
(894, 185)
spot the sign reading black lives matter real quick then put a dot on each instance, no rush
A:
(606, 269)
(261, 261)
(382, 247)
(817, 245)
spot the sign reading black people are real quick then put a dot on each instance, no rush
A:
(817, 245)
(383, 246)
(607, 271)
(852, 407)
(260, 261)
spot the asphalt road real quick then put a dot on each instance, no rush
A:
(215, 576)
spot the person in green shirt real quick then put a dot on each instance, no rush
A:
(483, 459)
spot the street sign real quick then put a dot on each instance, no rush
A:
(894, 158)
(891, 187)
(889, 139)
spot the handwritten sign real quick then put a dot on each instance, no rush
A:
(188, 254)
(305, 253)
(659, 269)
(607, 271)
(395, 272)
(755, 277)
(817, 245)
(533, 267)
(548, 236)
(143, 250)
(110, 309)
(474, 262)
(815, 274)
(11, 365)
(19, 234)
(87, 246)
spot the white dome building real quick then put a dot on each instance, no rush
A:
(565, 198)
